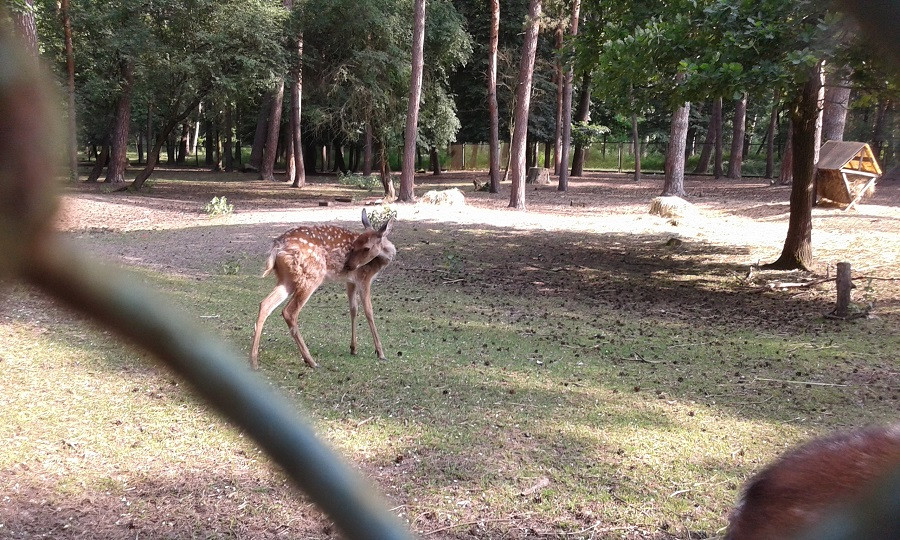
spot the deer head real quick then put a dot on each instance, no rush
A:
(370, 245)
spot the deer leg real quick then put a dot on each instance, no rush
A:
(266, 307)
(290, 313)
(353, 298)
(365, 292)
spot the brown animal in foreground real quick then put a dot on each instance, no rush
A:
(813, 482)
(304, 257)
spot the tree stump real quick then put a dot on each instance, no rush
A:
(841, 309)
(539, 176)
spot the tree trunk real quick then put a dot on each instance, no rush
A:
(435, 161)
(492, 98)
(368, 154)
(226, 138)
(259, 137)
(181, 155)
(101, 162)
(25, 26)
(797, 252)
(879, 128)
(674, 182)
(385, 168)
(296, 107)
(717, 121)
(582, 115)
(408, 170)
(523, 104)
(636, 145)
(567, 106)
(339, 163)
(270, 151)
(118, 153)
(70, 92)
(834, 115)
(770, 137)
(736, 158)
(560, 91)
(786, 173)
(706, 152)
(208, 144)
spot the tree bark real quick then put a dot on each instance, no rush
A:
(879, 128)
(368, 154)
(270, 151)
(70, 92)
(523, 104)
(560, 90)
(834, 116)
(674, 182)
(717, 120)
(434, 161)
(567, 105)
(296, 76)
(492, 98)
(228, 155)
(770, 137)
(736, 159)
(706, 151)
(636, 145)
(582, 115)
(786, 173)
(797, 251)
(259, 137)
(408, 170)
(118, 153)
(25, 26)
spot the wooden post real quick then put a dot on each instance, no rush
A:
(844, 284)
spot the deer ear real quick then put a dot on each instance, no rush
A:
(386, 228)
(365, 219)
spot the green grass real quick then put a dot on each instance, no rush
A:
(641, 422)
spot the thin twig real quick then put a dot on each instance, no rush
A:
(798, 382)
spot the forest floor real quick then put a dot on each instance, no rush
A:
(613, 374)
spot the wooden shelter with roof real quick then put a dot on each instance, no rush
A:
(846, 172)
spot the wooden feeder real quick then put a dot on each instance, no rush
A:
(846, 172)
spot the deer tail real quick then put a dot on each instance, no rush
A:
(270, 262)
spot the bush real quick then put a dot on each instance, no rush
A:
(380, 216)
(219, 206)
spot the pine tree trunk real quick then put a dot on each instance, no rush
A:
(270, 151)
(736, 158)
(25, 26)
(797, 252)
(786, 173)
(582, 115)
(717, 121)
(492, 99)
(523, 104)
(368, 157)
(296, 109)
(567, 106)
(408, 170)
(770, 137)
(560, 91)
(70, 92)
(706, 151)
(636, 145)
(674, 182)
(834, 115)
(259, 137)
(118, 153)
(226, 138)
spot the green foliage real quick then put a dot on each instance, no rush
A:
(218, 206)
(369, 182)
(585, 133)
(379, 216)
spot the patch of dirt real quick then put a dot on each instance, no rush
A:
(596, 242)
